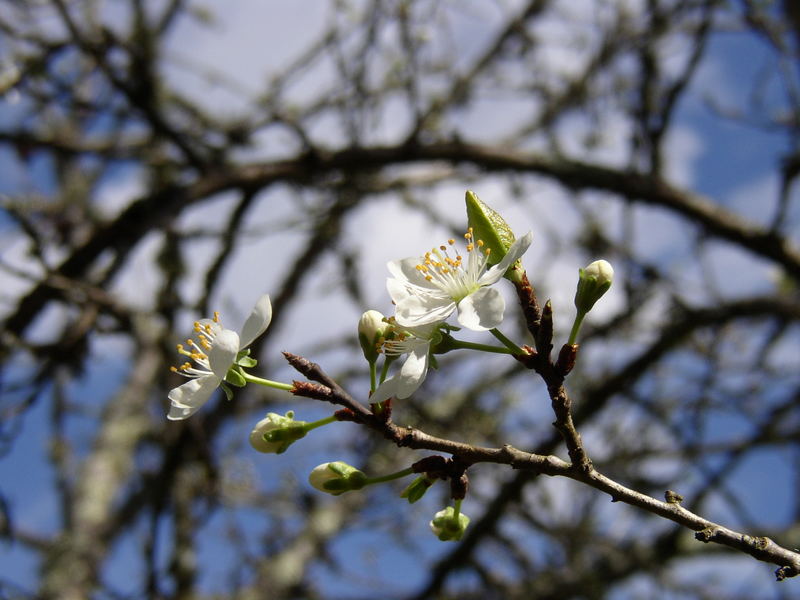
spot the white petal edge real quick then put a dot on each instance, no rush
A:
(414, 370)
(410, 377)
(482, 310)
(223, 352)
(189, 397)
(386, 390)
(406, 271)
(517, 249)
(416, 310)
(257, 322)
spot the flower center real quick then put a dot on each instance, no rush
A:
(198, 350)
(450, 274)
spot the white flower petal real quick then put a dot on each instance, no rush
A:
(398, 290)
(517, 249)
(413, 372)
(386, 390)
(189, 397)
(416, 310)
(406, 271)
(223, 352)
(410, 377)
(482, 310)
(257, 322)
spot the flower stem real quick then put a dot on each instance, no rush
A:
(506, 342)
(314, 424)
(390, 477)
(576, 327)
(457, 508)
(267, 382)
(372, 376)
(461, 344)
(385, 369)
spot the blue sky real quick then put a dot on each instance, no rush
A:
(719, 158)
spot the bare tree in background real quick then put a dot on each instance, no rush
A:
(691, 380)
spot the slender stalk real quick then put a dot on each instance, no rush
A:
(320, 423)
(461, 344)
(267, 382)
(390, 477)
(385, 369)
(506, 342)
(576, 327)
(372, 376)
(457, 508)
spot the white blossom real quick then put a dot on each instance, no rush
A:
(212, 355)
(430, 288)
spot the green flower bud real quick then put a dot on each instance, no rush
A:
(593, 282)
(447, 527)
(336, 478)
(487, 225)
(372, 326)
(275, 433)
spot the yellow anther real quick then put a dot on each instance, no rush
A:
(451, 241)
(480, 242)
(470, 247)
(428, 278)
(442, 247)
(174, 369)
(216, 316)
(488, 251)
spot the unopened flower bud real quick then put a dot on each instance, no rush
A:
(372, 326)
(275, 433)
(447, 527)
(593, 282)
(336, 478)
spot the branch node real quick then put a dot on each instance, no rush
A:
(706, 535)
(672, 497)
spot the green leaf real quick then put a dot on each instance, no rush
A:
(235, 377)
(246, 362)
(489, 226)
